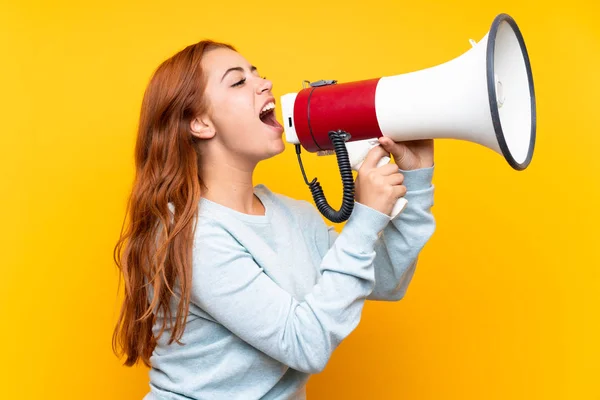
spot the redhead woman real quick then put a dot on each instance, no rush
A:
(233, 291)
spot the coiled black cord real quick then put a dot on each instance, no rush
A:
(338, 139)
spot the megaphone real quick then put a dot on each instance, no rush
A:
(485, 96)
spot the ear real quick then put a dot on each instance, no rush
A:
(202, 128)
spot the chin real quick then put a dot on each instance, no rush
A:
(275, 148)
(280, 146)
(272, 142)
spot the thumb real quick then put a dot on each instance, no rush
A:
(398, 150)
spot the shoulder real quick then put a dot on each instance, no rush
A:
(215, 245)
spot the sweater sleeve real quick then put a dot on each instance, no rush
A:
(230, 286)
(398, 247)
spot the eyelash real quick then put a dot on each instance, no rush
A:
(239, 83)
(243, 81)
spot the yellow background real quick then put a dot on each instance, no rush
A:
(505, 302)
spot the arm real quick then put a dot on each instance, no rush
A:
(403, 239)
(232, 288)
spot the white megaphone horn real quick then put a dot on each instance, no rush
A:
(484, 96)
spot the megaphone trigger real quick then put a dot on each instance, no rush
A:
(357, 152)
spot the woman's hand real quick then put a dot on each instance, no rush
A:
(410, 154)
(379, 187)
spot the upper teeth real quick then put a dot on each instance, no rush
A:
(270, 105)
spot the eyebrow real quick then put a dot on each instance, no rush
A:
(252, 69)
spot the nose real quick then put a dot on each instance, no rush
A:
(264, 85)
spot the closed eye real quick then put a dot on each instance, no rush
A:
(239, 83)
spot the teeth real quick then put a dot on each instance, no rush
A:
(268, 107)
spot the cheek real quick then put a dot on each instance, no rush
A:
(234, 113)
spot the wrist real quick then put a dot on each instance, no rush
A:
(414, 167)
(418, 179)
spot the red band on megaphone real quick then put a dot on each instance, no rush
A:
(349, 107)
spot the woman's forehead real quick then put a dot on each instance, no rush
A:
(217, 62)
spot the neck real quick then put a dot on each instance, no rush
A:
(230, 184)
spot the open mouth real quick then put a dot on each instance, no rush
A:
(267, 116)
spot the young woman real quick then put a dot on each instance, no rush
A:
(233, 291)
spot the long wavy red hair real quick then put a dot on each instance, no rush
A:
(154, 253)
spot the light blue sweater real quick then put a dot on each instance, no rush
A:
(274, 295)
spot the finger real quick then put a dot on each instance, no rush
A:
(388, 169)
(399, 191)
(398, 150)
(373, 157)
(394, 179)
